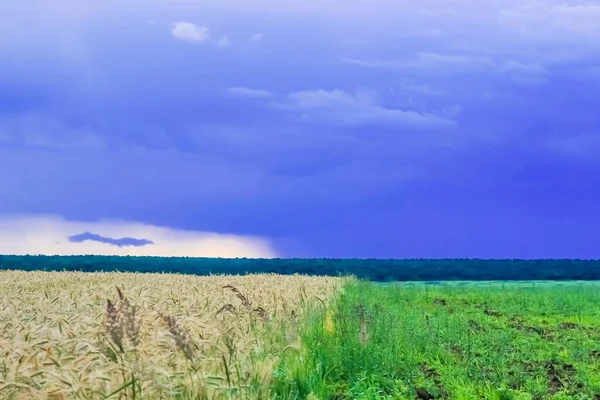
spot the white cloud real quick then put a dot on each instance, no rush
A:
(189, 32)
(248, 92)
(358, 108)
(542, 19)
(580, 145)
(257, 37)
(409, 86)
(436, 11)
(444, 60)
(450, 112)
(441, 62)
(223, 42)
(29, 130)
(377, 63)
(515, 66)
(47, 234)
(578, 19)
(524, 74)
(422, 33)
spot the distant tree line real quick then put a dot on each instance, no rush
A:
(371, 269)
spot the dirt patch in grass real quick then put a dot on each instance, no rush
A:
(559, 376)
(595, 354)
(519, 324)
(568, 325)
(423, 394)
(571, 326)
(457, 350)
(492, 313)
(434, 375)
(475, 326)
(440, 302)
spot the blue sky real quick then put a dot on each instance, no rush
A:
(454, 128)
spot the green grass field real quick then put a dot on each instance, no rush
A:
(460, 340)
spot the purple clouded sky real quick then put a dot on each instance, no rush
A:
(349, 128)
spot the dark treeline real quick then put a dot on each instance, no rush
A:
(372, 269)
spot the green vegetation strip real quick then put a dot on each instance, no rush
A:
(373, 270)
(407, 341)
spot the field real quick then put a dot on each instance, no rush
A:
(74, 335)
(123, 335)
(462, 340)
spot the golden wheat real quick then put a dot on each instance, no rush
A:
(87, 335)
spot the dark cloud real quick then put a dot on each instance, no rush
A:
(325, 157)
(121, 242)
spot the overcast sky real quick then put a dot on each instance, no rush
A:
(347, 128)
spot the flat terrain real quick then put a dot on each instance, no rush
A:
(74, 335)
(121, 335)
(460, 340)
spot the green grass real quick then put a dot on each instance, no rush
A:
(457, 341)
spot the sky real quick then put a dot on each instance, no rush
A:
(301, 128)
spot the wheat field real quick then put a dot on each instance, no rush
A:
(126, 335)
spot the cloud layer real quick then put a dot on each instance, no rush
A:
(359, 108)
(51, 235)
(381, 129)
(241, 91)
